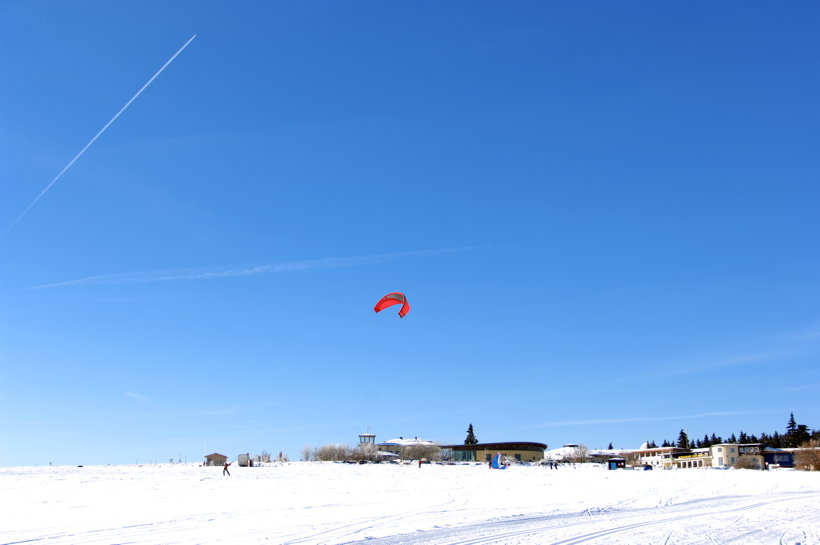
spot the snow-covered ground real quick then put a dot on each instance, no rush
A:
(312, 503)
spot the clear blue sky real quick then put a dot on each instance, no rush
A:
(605, 216)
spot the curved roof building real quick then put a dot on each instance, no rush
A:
(523, 451)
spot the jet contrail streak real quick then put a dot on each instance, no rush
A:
(271, 268)
(82, 151)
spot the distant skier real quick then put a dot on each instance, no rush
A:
(225, 470)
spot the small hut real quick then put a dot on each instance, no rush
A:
(216, 459)
(616, 463)
(244, 460)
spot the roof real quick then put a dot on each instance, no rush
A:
(401, 441)
(215, 455)
(661, 449)
(606, 451)
(513, 445)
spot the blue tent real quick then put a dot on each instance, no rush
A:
(496, 463)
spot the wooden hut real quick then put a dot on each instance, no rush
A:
(216, 459)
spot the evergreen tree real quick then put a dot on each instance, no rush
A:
(796, 434)
(801, 435)
(777, 442)
(732, 439)
(610, 446)
(651, 444)
(705, 442)
(743, 438)
(683, 440)
(471, 438)
(714, 440)
(791, 425)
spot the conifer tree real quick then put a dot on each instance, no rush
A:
(471, 438)
(791, 426)
(610, 445)
(801, 435)
(683, 440)
(796, 434)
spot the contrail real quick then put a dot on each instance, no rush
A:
(74, 160)
(623, 420)
(177, 275)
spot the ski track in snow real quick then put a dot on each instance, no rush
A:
(335, 504)
(499, 532)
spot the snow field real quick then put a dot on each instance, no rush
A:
(313, 503)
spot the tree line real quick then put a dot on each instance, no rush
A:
(795, 436)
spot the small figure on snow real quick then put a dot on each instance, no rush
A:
(225, 470)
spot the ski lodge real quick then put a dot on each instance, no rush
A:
(521, 451)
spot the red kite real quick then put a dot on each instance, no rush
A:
(391, 299)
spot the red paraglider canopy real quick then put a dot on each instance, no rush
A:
(391, 299)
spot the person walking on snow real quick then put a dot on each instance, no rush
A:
(225, 470)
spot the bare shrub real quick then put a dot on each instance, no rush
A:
(332, 453)
(633, 459)
(418, 452)
(746, 461)
(340, 453)
(807, 457)
(578, 455)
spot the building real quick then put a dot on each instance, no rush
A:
(727, 455)
(697, 457)
(216, 459)
(397, 446)
(616, 463)
(483, 452)
(724, 454)
(244, 460)
(775, 457)
(659, 457)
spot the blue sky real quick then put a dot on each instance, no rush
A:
(604, 217)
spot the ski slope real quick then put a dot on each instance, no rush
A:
(327, 503)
